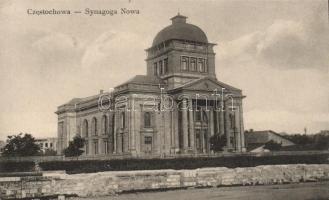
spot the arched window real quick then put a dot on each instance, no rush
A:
(232, 121)
(85, 128)
(156, 69)
(123, 120)
(147, 119)
(94, 126)
(184, 63)
(104, 125)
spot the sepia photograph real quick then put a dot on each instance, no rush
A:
(167, 99)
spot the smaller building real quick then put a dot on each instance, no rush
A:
(256, 140)
(2, 146)
(47, 143)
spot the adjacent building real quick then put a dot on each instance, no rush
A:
(174, 109)
(47, 143)
(256, 140)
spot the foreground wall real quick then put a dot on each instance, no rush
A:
(107, 183)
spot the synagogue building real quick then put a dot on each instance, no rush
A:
(176, 108)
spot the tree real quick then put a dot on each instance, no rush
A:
(74, 148)
(18, 145)
(50, 152)
(217, 142)
(272, 146)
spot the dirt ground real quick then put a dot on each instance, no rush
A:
(302, 191)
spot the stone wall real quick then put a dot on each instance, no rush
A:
(108, 183)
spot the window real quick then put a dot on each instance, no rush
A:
(123, 120)
(232, 121)
(87, 147)
(155, 69)
(85, 128)
(201, 65)
(198, 115)
(51, 145)
(106, 146)
(184, 63)
(161, 67)
(46, 145)
(94, 126)
(147, 119)
(104, 125)
(193, 64)
(96, 146)
(147, 140)
(165, 65)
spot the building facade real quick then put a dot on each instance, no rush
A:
(174, 109)
(47, 143)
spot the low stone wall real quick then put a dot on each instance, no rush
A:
(107, 183)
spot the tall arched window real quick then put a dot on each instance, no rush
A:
(123, 120)
(147, 119)
(232, 121)
(85, 128)
(94, 126)
(104, 125)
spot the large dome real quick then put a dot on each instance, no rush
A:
(180, 30)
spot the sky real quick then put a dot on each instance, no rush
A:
(277, 52)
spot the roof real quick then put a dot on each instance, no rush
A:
(143, 79)
(180, 30)
(260, 137)
(193, 82)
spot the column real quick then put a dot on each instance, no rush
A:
(191, 125)
(115, 113)
(243, 147)
(184, 124)
(217, 115)
(237, 130)
(176, 128)
(227, 125)
(221, 122)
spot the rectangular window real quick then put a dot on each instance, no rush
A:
(184, 63)
(147, 119)
(96, 146)
(106, 146)
(193, 64)
(51, 144)
(147, 140)
(201, 65)
(46, 145)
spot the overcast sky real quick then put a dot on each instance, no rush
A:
(277, 52)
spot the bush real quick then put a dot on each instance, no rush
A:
(23, 166)
(89, 166)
